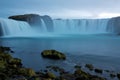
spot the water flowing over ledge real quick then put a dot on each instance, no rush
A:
(45, 26)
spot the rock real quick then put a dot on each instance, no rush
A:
(53, 54)
(77, 67)
(81, 74)
(3, 76)
(32, 19)
(107, 71)
(114, 25)
(112, 75)
(49, 22)
(94, 77)
(35, 20)
(99, 71)
(118, 75)
(15, 61)
(2, 65)
(50, 75)
(1, 30)
(35, 78)
(89, 66)
(18, 77)
(27, 72)
(5, 49)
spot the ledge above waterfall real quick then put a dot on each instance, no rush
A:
(35, 20)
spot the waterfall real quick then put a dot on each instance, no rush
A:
(10, 27)
(80, 25)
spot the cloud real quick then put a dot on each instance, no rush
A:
(62, 8)
(108, 15)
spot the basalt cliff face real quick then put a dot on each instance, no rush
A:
(35, 20)
(114, 25)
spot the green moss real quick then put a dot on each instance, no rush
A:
(89, 66)
(27, 72)
(50, 75)
(53, 54)
(2, 65)
(81, 74)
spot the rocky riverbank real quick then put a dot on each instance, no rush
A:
(12, 69)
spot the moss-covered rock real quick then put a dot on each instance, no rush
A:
(81, 74)
(27, 72)
(15, 62)
(50, 75)
(53, 54)
(89, 66)
(2, 65)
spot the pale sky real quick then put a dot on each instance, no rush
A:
(62, 8)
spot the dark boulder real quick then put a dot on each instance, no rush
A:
(99, 71)
(89, 66)
(53, 54)
(118, 75)
(1, 31)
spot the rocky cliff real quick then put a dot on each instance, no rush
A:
(1, 31)
(114, 25)
(35, 20)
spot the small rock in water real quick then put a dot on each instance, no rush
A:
(112, 75)
(77, 67)
(118, 75)
(99, 71)
(53, 54)
(89, 66)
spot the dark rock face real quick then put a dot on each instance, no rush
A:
(1, 31)
(32, 19)
(35, 20)
(114, 25)
(53, 54)
(49, 22)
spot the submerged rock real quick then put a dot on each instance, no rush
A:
(118, 75)
(53, 54)
(99, 71)
(112, 75)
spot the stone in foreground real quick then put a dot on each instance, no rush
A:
(53, 54)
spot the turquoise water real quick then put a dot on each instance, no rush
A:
(103, 51)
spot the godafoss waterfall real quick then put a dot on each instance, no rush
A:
(83, 41)
(35, 25)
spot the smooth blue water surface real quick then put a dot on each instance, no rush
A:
(103, 51)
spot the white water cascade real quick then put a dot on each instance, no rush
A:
(10, 27)
(81, 26)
